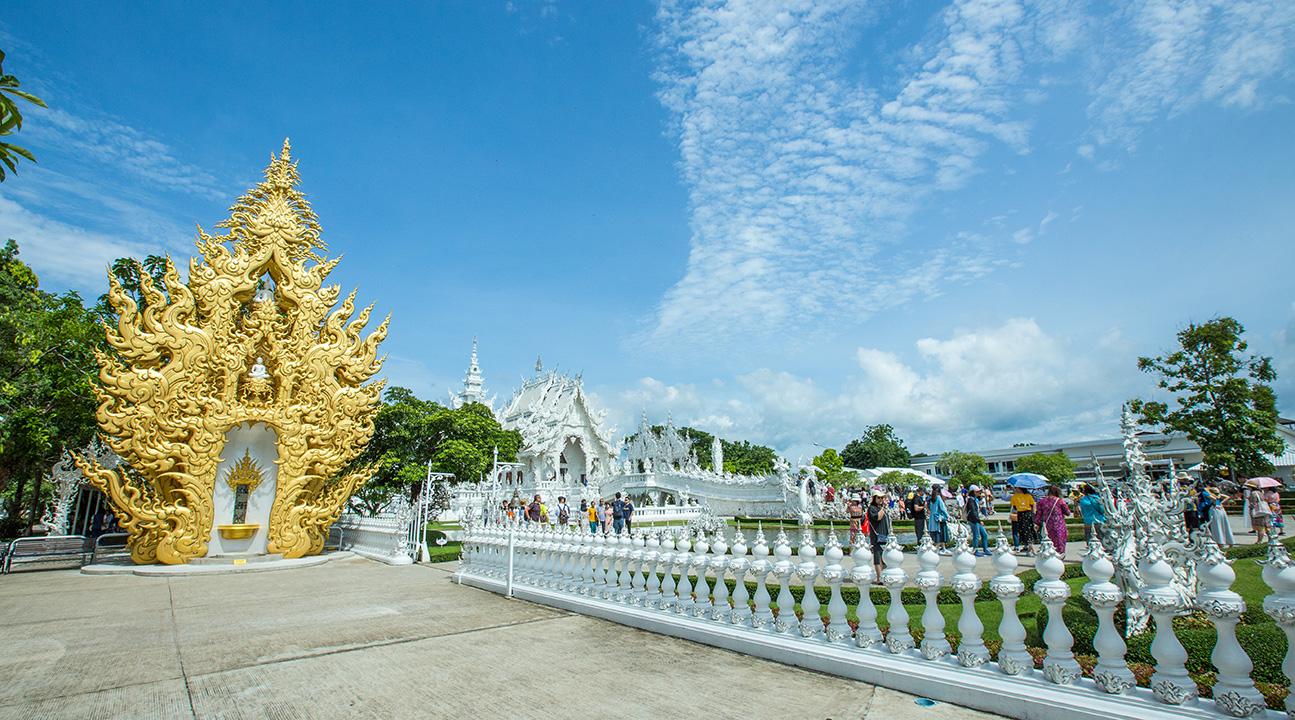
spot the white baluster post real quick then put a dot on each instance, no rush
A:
(682, 563)
(719, 608)
(700, 563)
(1060, 666)
(1234, 693)
(811, 623)
(862, 575)
(971, 651)
(894, 577)
(838, 628)
(929, 581)
(1279, 573)
(1013, 658)
(784, 568)
(1170, 682)
(760, 568)
(1112, 672)
(739, 564)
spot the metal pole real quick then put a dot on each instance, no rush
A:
(512, 539)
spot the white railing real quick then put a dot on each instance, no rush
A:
(665, 513)
(384, 538)
(631, 579)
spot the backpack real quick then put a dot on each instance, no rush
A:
(564, 515)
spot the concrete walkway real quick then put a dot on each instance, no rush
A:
(357, 639)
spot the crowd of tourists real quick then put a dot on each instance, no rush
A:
(613, 516)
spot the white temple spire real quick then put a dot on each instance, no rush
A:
(473, 391)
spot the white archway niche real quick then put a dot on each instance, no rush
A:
(261, 443)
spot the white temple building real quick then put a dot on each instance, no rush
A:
(563, 439)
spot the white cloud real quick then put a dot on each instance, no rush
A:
(799, 177)
(93, 138)
(975, 390)
(1163, 57)
(65, 255)
(802, 180)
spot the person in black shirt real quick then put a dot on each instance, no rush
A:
(878, 530)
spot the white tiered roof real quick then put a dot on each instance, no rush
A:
(551, 407)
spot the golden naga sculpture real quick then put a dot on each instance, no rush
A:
(229, 348)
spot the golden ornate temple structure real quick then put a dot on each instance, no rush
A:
(237, 399)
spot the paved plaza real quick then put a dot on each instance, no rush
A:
(358, 639)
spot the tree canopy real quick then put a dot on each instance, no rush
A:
(47, 365)
(742, 457)
(409, 433)
(964, 469)
(11, 120)
(879, 447)
(1058, 467)
(833, 470)
(1224, 401)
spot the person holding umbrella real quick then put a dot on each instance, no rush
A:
(1023, 503)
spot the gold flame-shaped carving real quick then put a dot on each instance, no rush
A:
(184, 369)
(245, 472)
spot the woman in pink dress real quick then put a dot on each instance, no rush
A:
(1050, 513)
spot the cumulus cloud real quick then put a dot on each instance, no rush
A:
(976, 389)
(802, 179)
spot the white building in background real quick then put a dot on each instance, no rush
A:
(564, 442)
(473, 387)
(1161, 450)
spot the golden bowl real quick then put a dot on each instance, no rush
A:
(237, 532)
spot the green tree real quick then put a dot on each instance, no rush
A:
(879, 447)
(11, 120)
(829, 462)
(47, 403)
(742, 458)
(833, 470)
(410, 433)
(964, 469)
(1224, 401)
(1058, 468)
(896, 478)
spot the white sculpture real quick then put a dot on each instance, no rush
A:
(1139, 519)
(258, 370)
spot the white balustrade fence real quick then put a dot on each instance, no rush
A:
(384, 538)
(631, 579)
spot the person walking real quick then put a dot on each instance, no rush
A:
(592, 512)
(628, 512)
(1274, 501)
(1209, 504)
(878, 530)
(618, 514)
(854, 510)
(605, 515)
(971, 509)
(1050, 515)
(1260, 513)
(1094, 515)
(535, 510)
(564, 512)
(937, 519)
(917, 507)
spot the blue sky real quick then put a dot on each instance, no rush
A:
(782, 221)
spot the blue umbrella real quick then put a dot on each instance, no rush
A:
(1029, 481)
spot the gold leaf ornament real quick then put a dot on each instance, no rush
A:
(251, 337)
